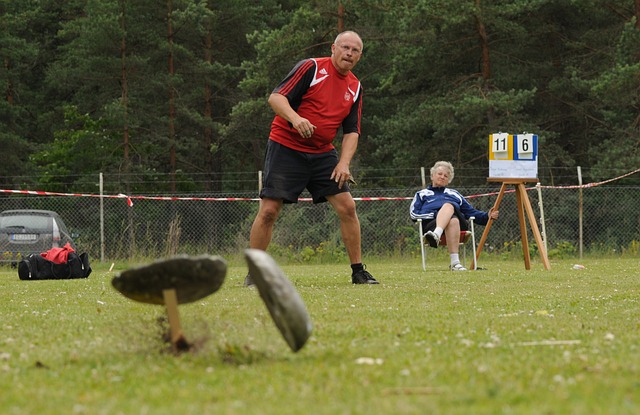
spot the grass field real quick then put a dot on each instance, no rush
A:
(503, 340)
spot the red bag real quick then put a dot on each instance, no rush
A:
(58, 255)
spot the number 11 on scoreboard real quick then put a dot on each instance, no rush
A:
(501, 146)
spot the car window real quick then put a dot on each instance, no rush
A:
(24, 221)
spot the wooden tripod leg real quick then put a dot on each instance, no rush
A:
(521, 193)
(536, 232)
(171, 302)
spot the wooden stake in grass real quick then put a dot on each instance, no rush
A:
(169, 282)
(178, 341)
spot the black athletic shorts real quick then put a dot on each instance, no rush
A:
(288, 172)
(464, 224)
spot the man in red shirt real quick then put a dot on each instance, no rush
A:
(316, 98)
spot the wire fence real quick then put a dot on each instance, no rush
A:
(602, 219)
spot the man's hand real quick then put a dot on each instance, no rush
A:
(280, 105)
(304, 127)
(341, 175)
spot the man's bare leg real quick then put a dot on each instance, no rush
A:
(345, 208)
(262, 228)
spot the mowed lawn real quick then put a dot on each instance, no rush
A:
(502, 340)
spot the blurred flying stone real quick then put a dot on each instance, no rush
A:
(193, 278)
(282, 300)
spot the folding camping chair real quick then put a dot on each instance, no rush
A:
(465, 236)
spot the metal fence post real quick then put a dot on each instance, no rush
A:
(580, 212)
(101, 219)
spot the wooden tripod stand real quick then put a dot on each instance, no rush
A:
(524, 205)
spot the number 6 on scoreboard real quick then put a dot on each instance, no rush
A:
(526, 146)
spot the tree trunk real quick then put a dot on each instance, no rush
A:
(485, 58)
(212, 164)
(124, 90)
(172, 109)
(126, 166)
(9, 91)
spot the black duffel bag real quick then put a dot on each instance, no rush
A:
(36, 267)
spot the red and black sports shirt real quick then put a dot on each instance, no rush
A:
(321, 94)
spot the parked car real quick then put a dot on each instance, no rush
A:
(30, 231)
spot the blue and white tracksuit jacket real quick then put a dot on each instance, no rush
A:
(427, 202)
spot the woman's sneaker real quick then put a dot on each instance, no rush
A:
(457, 267)
(432, 238)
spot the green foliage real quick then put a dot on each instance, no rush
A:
(438, 76)
(84, 145)
(562, 250)
(324, 253)
(633, 248)
(25, 50)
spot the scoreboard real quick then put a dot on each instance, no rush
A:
(513, 156)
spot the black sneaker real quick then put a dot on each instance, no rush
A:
(363, 277)
(248, 281)
(432, 238)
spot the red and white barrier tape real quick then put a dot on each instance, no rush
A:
(303, 199)
(584, 186)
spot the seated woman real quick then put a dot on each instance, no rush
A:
(445, 210)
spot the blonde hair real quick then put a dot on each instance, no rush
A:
(445, 165)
